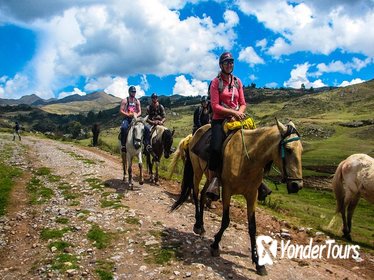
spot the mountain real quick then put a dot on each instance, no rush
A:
(32, 99)
(75, 104)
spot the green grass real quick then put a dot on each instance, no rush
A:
(7, 176)
(94, 183)
(316, 208)
(48, 233)
(100, 238)
(62, 220)
(59, 245)
(64, 262)
(105, 269)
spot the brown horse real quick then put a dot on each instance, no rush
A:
(353, 178)
(161, 141)
(246, 156)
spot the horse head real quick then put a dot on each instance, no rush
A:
(138, 131)
(290, 152)
(167, 142)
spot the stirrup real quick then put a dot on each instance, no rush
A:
(213, 190)
(123, 149)
(263, 192)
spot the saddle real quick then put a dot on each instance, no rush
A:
(202, 147)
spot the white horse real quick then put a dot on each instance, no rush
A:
(134, 146)
(353, 178)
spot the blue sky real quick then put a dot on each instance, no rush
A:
(63, 47)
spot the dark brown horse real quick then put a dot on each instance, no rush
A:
(161, 141)
(246, 155)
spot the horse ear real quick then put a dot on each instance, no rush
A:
(172, 132)
(292, 124)
(145, 119)
(281, 127)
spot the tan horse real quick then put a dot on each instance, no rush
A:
(245, 157)
(353, 178)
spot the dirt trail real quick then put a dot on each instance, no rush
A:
(139, 224)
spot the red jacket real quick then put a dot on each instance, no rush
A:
(231, 97)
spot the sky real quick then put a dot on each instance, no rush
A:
(62, 47)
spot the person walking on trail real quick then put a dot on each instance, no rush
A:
(95, 134)
(202, 114)
(16, 131)
(156, 115)
(130, 108)
(228, 103)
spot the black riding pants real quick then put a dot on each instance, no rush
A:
(216, 142)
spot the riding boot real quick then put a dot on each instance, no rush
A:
(263, 192)
(213, 191)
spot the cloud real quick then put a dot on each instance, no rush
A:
(15, 87)
(317, 26)
(185, 88)
(345, 68)
(299, 76)
(352, 82)
(119, 87)
(75, 91)
(250, 56)
(86, 38)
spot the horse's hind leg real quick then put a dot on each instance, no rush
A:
(351, 208)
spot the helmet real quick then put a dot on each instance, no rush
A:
(154, 95)
(203, 99)
(225, 56)
(132, 89)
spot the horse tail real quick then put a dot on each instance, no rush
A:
(179, 153)
(337, 185)
(187, 183)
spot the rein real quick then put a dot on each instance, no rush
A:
(282, 144)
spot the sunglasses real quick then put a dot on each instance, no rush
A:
(227, 62)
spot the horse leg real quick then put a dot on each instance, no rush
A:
(198, 227)
(214, 247)
(260, 269)
(124, 165)
(156, 176)
(140, 164)
(351, 208)
(129, 171)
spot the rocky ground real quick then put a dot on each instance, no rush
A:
(81, 222)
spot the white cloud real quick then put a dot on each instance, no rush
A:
(119, 39)
(75, 91)
(339, 67)
(315, 25)
(250, 56)
(15, 87)
(185, 88)
(271, 85)
(299, 76)
(352, 82)
(262, 44)
(119, 87)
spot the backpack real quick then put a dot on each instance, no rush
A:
(220, 85)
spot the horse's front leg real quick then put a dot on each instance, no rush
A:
(129, 171)
(226, 198)
(124, 165)
(156, 176)
(260, 269)
(141, 181)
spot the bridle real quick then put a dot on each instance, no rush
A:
(134, 139)
(290, 130)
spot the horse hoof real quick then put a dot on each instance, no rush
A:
(261, 270)
(141, 183)
(199, 230)
(347, 237)
(214, 252)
